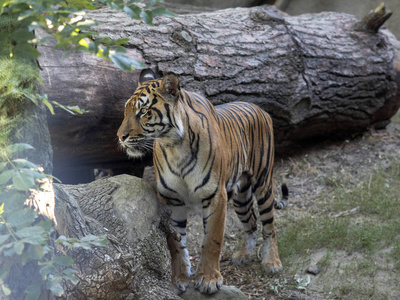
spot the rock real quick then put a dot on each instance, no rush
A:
(225, 293)
(136, 262)
(313, 269)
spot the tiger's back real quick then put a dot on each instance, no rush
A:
(248, 133)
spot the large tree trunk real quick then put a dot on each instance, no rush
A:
(316, 74)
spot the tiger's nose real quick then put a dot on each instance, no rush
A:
(123, 136)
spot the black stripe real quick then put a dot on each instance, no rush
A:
(269, 221)
(180, 224)
(268, 209)
(245, 188)
(207, 205)
(207, 178)
(242, 213)
(164, 184)
(267, 195)
(242, 204)
(168, 163)
(180, 202)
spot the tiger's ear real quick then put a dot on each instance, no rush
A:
(170, 87)
(146, 75)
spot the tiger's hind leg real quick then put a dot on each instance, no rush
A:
(243, 204)
(265, 201)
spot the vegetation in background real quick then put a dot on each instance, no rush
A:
(361, 221)
(26, 237)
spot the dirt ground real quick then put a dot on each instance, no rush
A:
(311, 175)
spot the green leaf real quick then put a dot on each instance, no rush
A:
(48, 105)
(33, 26)
(19, 147)
(13, 200)
(133, 11)
(5, 290)
(23, 181)
(46, 270)
(6, 176)
(152, 3)
(3, 273)
(19, 247)
(33, 292)
(22, 217)
(54, 285)
(29, 232)
(3, 166)
(9, 252)
(70, 275)
(126, 63)
(36, 174)
(35, 252)
(147, 16)
(64, 261)
(4, 238)
(73, 110)
(23, 163)
(161, 11)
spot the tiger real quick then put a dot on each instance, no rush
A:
(205, 155)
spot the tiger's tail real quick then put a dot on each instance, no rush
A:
(285, 197)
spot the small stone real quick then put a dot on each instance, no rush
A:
(225, 293)
(186, 36)
(313, 269)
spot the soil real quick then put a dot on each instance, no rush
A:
(311, 171)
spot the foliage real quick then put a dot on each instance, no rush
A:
(26, 238)
(66, 21)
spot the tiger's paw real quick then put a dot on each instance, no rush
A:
(272, 267)
(240, 258)
(208, 284)
(180, 283)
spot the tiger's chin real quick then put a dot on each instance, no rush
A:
(134, 153)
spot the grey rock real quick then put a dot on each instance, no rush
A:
(313, 269)
(136, 262)
(225, 293)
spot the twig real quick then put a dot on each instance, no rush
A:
(347, 212)
(374, 20)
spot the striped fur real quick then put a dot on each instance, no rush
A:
(203, 155)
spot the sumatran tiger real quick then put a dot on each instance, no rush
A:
(204, 155)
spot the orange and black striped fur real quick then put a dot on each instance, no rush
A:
(205, 155)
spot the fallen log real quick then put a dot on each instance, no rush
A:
(316, 74)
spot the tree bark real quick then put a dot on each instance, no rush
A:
(316, 74)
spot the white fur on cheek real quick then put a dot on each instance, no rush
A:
(134, 153)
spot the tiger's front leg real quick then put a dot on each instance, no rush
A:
(180, 263)
(208, 278)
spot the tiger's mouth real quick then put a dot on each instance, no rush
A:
(136, 148)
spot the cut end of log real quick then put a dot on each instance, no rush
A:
(374, 20)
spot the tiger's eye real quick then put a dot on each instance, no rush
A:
(143, 111)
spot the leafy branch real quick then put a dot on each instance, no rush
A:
(66, 22)
(25, 236)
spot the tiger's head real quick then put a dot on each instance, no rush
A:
(152, 113)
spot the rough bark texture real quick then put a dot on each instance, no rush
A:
(315, 74)
(135, 264)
